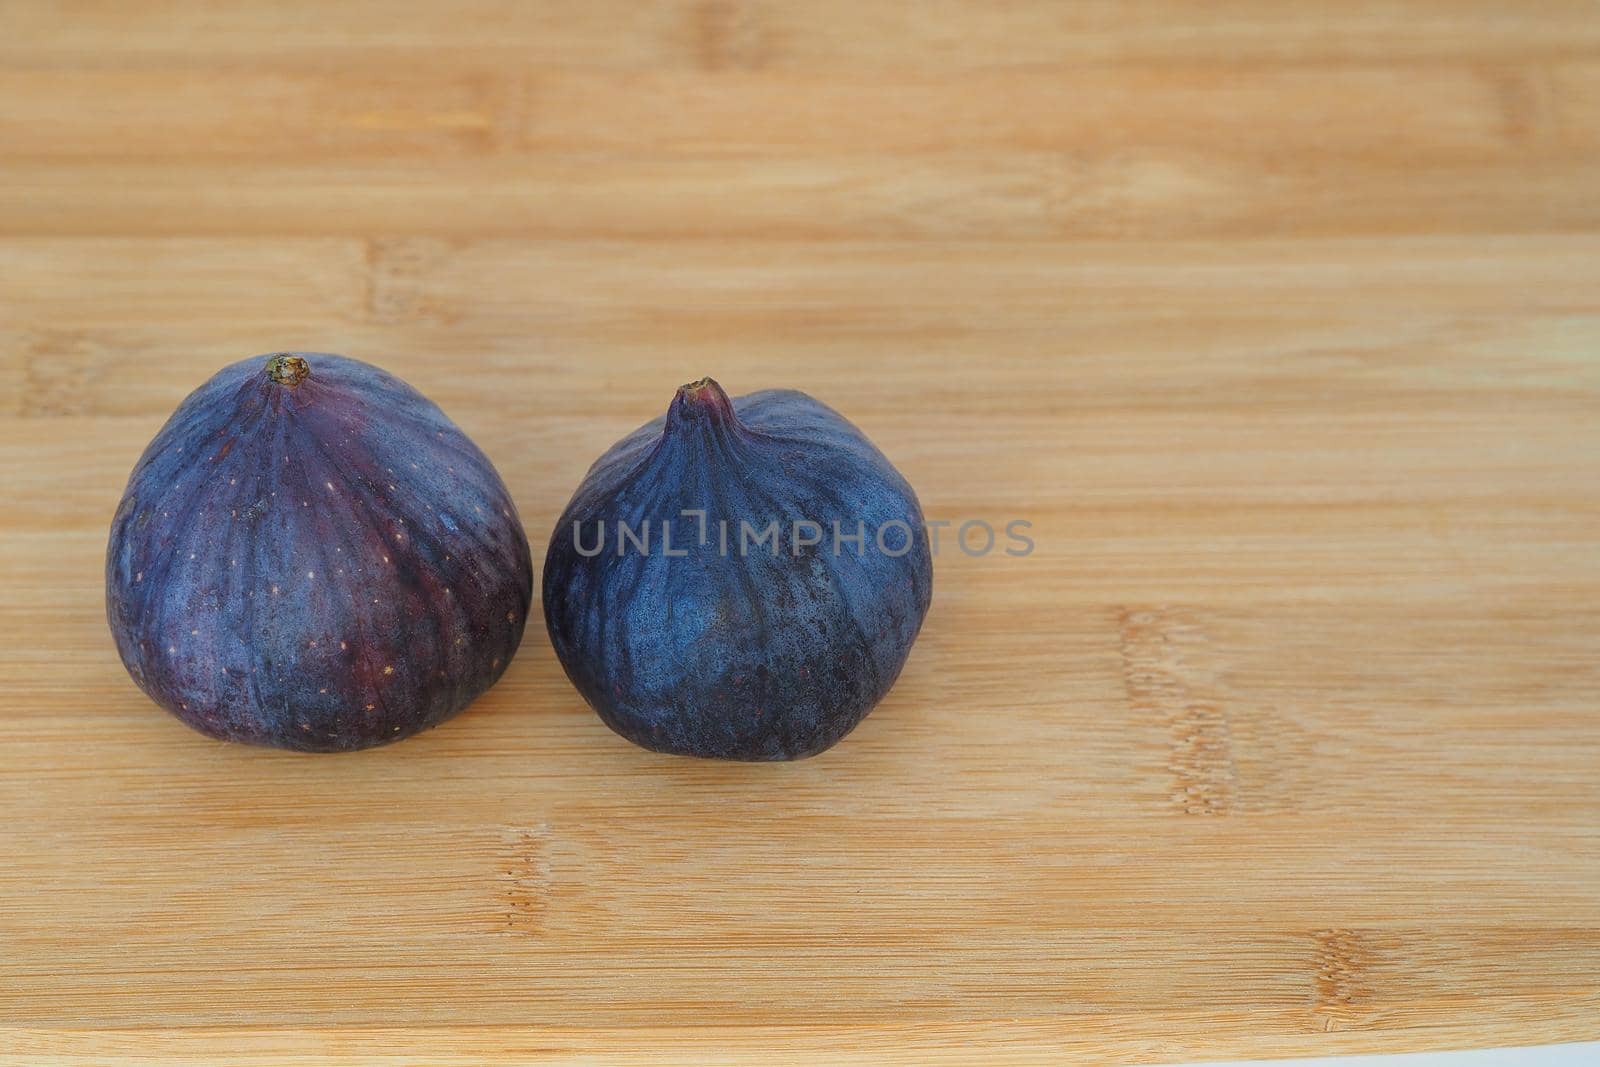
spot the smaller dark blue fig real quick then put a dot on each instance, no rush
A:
(739, 579)
(310, 555)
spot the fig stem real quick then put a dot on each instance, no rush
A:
(288, 370)
(701, 403)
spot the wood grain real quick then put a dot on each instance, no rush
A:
(1278, 322)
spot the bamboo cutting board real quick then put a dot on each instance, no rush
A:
(1279, 323)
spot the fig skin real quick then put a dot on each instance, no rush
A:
(310, 555)
(759, 657)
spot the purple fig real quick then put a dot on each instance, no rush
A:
(310, 555)
(739, 579)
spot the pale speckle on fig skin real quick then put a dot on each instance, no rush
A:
(255, 671)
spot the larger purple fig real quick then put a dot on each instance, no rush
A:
(310, 555)
(740, 579)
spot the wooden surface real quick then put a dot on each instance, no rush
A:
(1280, 322)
